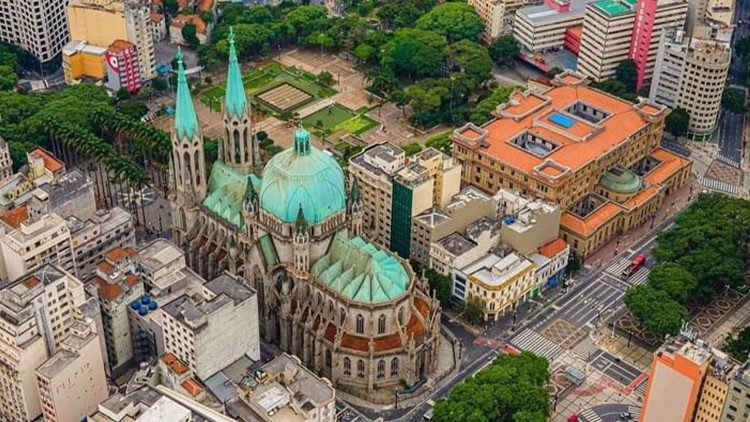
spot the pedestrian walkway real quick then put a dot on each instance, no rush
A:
(530, 340)
(591, 415)
(724, 159)
(719, 186)
(640, 276)
(585, 348)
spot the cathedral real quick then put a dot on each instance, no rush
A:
(352, 312)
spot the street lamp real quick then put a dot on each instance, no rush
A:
(396, 405)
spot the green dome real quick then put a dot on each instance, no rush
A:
(305, 177)
(622, 180)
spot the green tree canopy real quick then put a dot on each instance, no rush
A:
(304, 20)
(511, 389)
(399, 14)
(733, 100)
(441, 284)
(739, 346)
(677, 122)
(675, 281)
(8, 78)
(505, 50)
(411, 149)
(414, 53)
(190, 34)
(472, 58)
(626, 74)
(455, 21)
(657, 312)
(481, 114)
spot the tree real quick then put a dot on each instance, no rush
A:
(474, 310)
(505, 50)
(123, 94)
(422, 98)
(616, 88)
(512, 389)
(481, 114)
(677, 122)
(673, 280)
(325, 78)
(365, 52)
(189, 33)
(626, 74)
(733, 100)
(171, 6)
(159, 84)
(455, 21)
(441, 143)
(8, 78)
(658, 313)
(414, 53)
(472, 58)
(441, 284)
(304, 20)
(398, 14)
(411, 149)
(738, 347)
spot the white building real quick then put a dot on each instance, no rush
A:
(35, 243)
(106, 230)
(498, 16)
(38, 26)
(214, 327)
(36, 315)
(458, 250)
(72, 382)
(6, 164)
(540, 28)
(691, 73)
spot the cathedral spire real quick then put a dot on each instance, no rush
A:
(185, 122)
(235, 94)
(301, 223)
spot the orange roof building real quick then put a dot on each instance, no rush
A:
(595, 155)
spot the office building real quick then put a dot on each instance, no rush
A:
(213, 328)
(285, 390)
(117, 286)
(737, 401)
(608, 34)
(41, 168)
(91, 239)
(36, 315)
(595, 156)
(101, 23)
(498, 16)
(37, 26)
(551, 25)
(72, 382)
(37, 242)
(691, 73)
(457, 250)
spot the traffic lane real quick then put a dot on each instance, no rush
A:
(615, 368)
(605, 297)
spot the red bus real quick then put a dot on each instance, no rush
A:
(635, 265)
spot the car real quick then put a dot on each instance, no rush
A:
(626, 416)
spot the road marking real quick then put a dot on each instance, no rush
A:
(532, 341)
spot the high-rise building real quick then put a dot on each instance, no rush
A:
(608, 34)
(104, 231)
(545, 27)
(72, 382)
(691, 73)
(737, 400)
(37, 26)
(36, 315)
(100, 23)
(123, 69)
(498, 16)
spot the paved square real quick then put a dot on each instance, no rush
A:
(615, 368)
(284, 97)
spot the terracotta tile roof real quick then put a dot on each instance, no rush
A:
(592, 222)
(156, 17)
(169, 358)
(16, 216)
(176, 365)
(205, 5)
(331, 332)
(118, 46)
(106, 290)
(192, 387)
(179, 21)
(471, 133)
(50, 162)
(118, 254)
(389, 342)
(553, 248)
(105, 267)
(415, 327)
(670, 164)
(31, 281)
(649, 108)
(131, 280)
(421, 306)
(349, 341)
(641, 197)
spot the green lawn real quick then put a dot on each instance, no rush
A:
(330, 117)
(357, 125)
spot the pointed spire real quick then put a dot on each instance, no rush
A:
(185, 122)
(301, 141)
(235, 101)
(301, 223)
(355, 192)
(250, 190)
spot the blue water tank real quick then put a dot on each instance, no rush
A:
(152, 306)
(135, 305)
(142, 311)
(145, 299)
(509, 220)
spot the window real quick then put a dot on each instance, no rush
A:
(394, 367)
(381, 324)
(360, 324)
(347, 366)
(401, 316)
(360, 368)
(381, 369)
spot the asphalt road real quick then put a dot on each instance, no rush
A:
(731, 125)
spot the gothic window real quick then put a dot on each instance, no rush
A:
(394, 367)
(347, 366)
(401, 316)
(196, 163)
(360, 324)
(318, 298)
(187, 177)
(381, 324)
(237, 156)
(381, 369)
(361, 368)
(342, 316)
(492, 306)
(245, 143)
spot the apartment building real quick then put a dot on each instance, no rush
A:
(737, 401)
(458, 250)
(498, 16)
(37, 26)
(398, 189)
(72, 382)
(6, 164)
(91, 239)
(213, 327)
(117, 286)
(36, 315)
(545, 27)
(595, 156)
(99, 23)
(68, 195)
(37, 242)
(609, 34)
(688, 381)
(691, 73)
(469, 205)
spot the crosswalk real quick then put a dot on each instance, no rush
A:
(640, 276)
(641, 389)
(590, 415)
(585, 348)
(727, 160)
(719, 186)
(530, 340)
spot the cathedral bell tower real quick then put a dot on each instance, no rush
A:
(239, 149)
(187, 162)
(250, 209)
(301, 243)
(356, 210)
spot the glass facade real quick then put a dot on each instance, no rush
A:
(401, 203)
